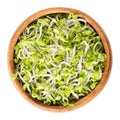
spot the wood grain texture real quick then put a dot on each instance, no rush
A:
(100, 85)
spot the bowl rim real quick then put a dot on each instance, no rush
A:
(104, 39)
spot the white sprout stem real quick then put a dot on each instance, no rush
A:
(95, 62)
(33, 70)
(39, 22)
(44, 94)
(28, 88)
(27, 30)
(18, 68)
(53, 19)
(48, 69)
(97, 43)
(23, 35)
(53, 89)
(62, 87)
(25, 52)
(49, 79)
(74, 51)
(46, 75)
(64, 63)
(81, 95)
(66, 33)
(57, 17)
(82, 20)
(50, 97)
(19, 56)
(79, 19)
(70, 22)
(54, 49)
(21, 78)
(89, 89)
(35, 37)
(40, 31)
(39, 48)
(34, 77)
(67, 56)
(74, 76)
(86, 46)
(64, 99)
(75, 82)
(21, 70)
(79, 66)
(68, 79)
(87, 27)
(71, 77)
(32, 32)
(54, 65)
(74, 94)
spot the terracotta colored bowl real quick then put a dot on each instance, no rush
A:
(106, 45)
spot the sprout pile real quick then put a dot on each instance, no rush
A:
(59, 59)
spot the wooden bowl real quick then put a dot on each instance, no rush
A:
(108, 62)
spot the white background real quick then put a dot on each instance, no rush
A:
(105, 106)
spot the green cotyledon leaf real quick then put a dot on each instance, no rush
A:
(13, 76)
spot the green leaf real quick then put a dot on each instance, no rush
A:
(58, 98)
(44, 21)
(87, 33)
(67, 92)
(93, 85)
(95, 75)
(42, 43)
(39, 97)
(13, 76)
(71, 106)
(24, 87)
(60, 83)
